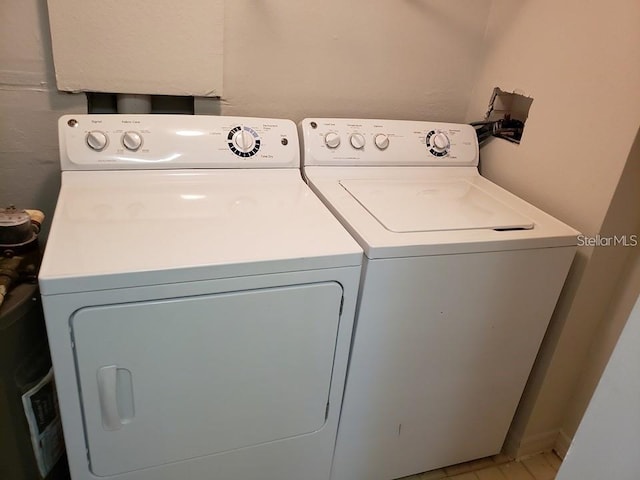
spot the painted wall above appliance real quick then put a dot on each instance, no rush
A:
(154, 47)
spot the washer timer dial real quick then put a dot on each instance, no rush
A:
(243, 141)
(438, 143)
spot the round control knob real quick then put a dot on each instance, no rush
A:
(381, 141)
(97, 140)
(332, 140)
(243, 141)
(440, 141)
(132, 141)
(357, 141)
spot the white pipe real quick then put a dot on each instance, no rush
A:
(133, 103)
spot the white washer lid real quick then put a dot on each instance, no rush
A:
(405, 206)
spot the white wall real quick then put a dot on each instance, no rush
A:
(400, 59)
(623, 215)
(412, 59)
(606, 444)
(580, 63)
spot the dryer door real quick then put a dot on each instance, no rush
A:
(173, 379)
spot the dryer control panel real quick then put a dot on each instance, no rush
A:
(344, 142)
(152, 142)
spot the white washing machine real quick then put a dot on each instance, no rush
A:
(199, 301)
(459, 282)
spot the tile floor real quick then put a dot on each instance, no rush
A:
(543, 466)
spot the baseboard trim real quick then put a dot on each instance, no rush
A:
(517, 447)
(563, 442)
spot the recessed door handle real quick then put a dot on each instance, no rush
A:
(108, 395)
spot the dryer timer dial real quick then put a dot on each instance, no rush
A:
(243, 141)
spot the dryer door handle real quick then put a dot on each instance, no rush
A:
(108, 395)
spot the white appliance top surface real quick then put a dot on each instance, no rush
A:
(116, 229)
(424, 206)
(157, 199)
(412, 211)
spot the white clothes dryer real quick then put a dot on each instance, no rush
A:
(459, 283)
(199, 301)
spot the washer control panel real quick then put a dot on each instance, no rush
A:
(116, 142)
(339, 141)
